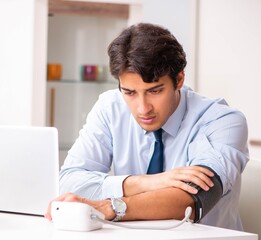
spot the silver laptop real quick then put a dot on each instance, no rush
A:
(29, 168)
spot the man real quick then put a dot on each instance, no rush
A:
(204, 141)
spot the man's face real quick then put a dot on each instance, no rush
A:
(151, 104)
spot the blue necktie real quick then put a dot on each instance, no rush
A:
(156, 162)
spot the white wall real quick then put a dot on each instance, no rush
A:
(229, 54)
(22, 61)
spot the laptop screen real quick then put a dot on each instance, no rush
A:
(29, 168)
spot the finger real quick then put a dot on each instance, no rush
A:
(202, 177)
(204, 184)
(202, 181)
(185, 187)
(201, 173)
(196, 170)
(204, 170)
(48, 212)
(191, 174)
(188, 187)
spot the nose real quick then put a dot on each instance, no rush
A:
(144, 106)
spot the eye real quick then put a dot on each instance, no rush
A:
(156, 91)
(129, 93)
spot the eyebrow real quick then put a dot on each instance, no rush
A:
(149, 89)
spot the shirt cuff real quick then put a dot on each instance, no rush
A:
(112, 186)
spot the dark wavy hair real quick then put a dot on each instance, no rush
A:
(149, 50)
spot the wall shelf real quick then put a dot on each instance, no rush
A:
(88, 8)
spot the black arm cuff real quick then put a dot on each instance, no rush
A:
(206, 200)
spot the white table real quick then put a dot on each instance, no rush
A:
(13, 226)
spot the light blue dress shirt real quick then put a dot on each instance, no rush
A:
(201, 131)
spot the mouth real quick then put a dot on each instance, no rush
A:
(147, 120)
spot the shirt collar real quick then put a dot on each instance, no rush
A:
(173, 123)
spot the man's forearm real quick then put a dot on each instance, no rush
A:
(134, 185)
(177, 178)
(167, 203)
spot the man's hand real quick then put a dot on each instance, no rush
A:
(104, 206)
(177, 178)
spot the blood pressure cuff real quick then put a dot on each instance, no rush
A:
(206, 200)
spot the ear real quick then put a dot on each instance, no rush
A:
(180, 80)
